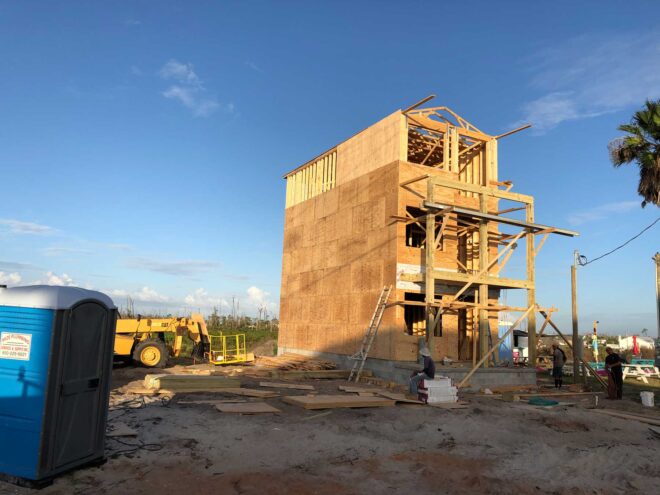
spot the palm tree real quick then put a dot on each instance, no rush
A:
(642, 145)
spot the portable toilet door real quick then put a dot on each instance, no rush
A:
(86, 344)
(54, 396)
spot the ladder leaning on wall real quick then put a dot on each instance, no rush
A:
(361, 356)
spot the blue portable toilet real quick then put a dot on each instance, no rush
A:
(56, 348)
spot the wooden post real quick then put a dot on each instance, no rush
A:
(576, 345)
(657, 288)
(484, 358)
(531, 293)
(429, 280)
(483, 288)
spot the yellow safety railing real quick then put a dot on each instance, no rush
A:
(228, 349)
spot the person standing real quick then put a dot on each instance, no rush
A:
(427, 373)
(558, 361)
(614, 369)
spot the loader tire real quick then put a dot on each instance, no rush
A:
(151, 353)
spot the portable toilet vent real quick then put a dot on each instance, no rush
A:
(56, 348)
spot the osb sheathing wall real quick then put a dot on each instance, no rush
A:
(339, 251)
(380, 144)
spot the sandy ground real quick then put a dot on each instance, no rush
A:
(490, 447)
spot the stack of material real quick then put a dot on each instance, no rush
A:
(189, 383)
(436, 391)
(336, 401)
(296, 362)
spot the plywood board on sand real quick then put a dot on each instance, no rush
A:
(335, 401)
(247, 408)
(293, 386)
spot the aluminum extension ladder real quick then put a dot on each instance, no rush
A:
(361, 356)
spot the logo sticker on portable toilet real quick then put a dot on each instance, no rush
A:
(15, 346)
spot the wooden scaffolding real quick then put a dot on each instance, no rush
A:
(441, 139)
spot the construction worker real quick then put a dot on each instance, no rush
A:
(427, 373)
(614, 369)
(558, 361)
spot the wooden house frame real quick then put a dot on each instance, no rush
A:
(363, 214)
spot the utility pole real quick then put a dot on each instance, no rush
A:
(577, 350)
(656, 258)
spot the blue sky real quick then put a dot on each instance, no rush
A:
(142, 144)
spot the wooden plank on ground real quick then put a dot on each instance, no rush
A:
(294, 386)
(248, 392)
(146, 391)
(356, 390)
(622, 415)
(247, 408)
(188, 382)
(335, 401)
(399, 397)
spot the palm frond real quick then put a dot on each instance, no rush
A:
(641, 145)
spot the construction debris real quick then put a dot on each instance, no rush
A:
(335, 401)
(399, 397)
(622, 415)
(295, 362)
(294, 386)
(121, 430)
(355, 389)
(247, 408)
(248, 392)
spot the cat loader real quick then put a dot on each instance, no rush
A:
(143, 339)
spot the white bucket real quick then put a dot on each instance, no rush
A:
(647, 398)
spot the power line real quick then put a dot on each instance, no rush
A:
(582, 260)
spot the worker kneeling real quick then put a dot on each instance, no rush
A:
(427, 373)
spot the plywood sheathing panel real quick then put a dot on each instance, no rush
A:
(370, 149)
(333, 270)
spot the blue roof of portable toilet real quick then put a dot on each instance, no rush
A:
(49, 297)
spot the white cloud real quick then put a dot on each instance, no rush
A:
(178, 268)
(52, 278)
(189, 89)
(189, 98)
(145, 295)
(259, 298)
(10, 278)
(200, 298)
(589, 76)
(20, 227)
(253, 66)
(180, 72)
(601, 212)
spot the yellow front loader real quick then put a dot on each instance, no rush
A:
(144, 340)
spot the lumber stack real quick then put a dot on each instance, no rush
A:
(336, 401)
(189, 383)
(294, 362)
